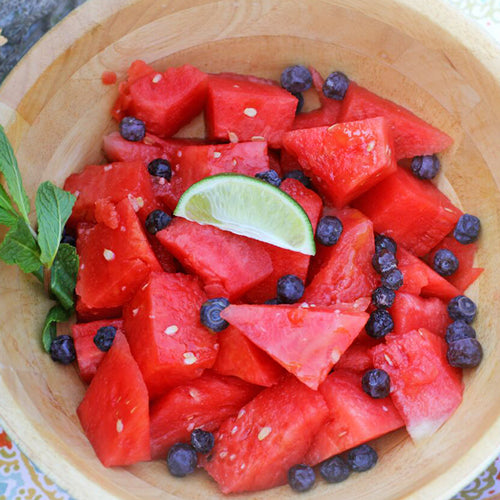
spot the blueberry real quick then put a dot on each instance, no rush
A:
(290, 289)
(160, 168)
(67, 238)
(335, 85)
(62, 349)
(379, 324)
(202, 441)
(383, 298)
(392, 279)
(362, 458)
(459, 330)
(132, 129)
(384, 261)
(181, 459)
(335, 469)
(210, 314)
(385, 242)
(376, 383)
(425, 167)
(272, 302)
(467, 229)
(461, 307)
(104, 337)
(156, 221)
(301, 477)
(300, 102)
(445, 263)
(296, 79)
(329, 230)
(270, 176)
(300, 176)
(464, 353)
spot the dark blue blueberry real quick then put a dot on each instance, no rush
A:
(290, 289)
(104, 337)
(301, 477)
(296, 79)
(362, 458)
(384, 261)
(392, 279)
(467, 229)
(300, 176)
(181, 459)
(464, 353)
(62, 349)
(270, 176)
(376, 383)
(272, 302)
(69, 239)
(160, 168)
(202, 441)
(445, 263)
(132, 129)
(379, 324)
(335, 469)
(156, 221)
(382, 241)
(383, 298)
(461, 307)
(336, 85)
(459, 330)
(329, 230)
(425, 167)
(210, 314)
(300, 102)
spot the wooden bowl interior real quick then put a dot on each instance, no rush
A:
(56, 111)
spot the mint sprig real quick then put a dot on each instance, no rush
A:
(37, 252)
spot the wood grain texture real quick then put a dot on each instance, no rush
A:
(55, 109)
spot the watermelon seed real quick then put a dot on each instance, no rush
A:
(242, 466)
(264, 432)
(82, 267)
(385, 408)
(123, 229)
(234, 162)
(250, 112)
(135, 311)
(107, 168)
(170, 330)
(189, 358)
(194, 393)
(241, 413)
(234, 430)
(119, 425)
(388, 359)
(157, 78)
(343, 433)
(370, 146)
(258, 138)
(232, 137)
(335, 355)
(190, 427)
(179, 153)
(108, 254)
(223, 454)
(232, 457)
(217, 154)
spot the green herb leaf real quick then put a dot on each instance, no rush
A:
(53, 208)
(20, 247)
(9, 168)
(56, 314)
(8, 216)
(63, 275)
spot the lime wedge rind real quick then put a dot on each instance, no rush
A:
(249, 207)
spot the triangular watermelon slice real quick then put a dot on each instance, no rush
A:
(307, 341)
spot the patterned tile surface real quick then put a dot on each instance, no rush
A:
(20, 479)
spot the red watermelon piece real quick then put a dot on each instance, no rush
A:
(254, 450)
(426, 390)
(114, 413)
(412, 135)
(358, 357)
(306, 341)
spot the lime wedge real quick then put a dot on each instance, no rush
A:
(250, 207)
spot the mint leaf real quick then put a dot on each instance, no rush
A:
(56, 314)
(20, 247)
(9, 168)
(8, 216)
(63, 275)
(53, 208)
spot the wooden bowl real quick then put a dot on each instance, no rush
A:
(56, 110)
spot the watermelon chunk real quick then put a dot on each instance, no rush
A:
(164, 101)
(345, 159)
(241, 358)
(163, 328)
(426, 390)
(413, 212)
(114, 413)
(242, 110)
(88, 355)
(344, 271)
(113, 262)
(354, 417)
(412, 135)
(227, 263)
(305, 341)
(254, 450)
(358, 357)
(202, 403)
